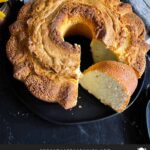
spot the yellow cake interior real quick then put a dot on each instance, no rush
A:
(104, 88)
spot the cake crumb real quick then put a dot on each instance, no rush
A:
(80, 106)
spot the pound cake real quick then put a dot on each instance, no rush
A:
(49, 66)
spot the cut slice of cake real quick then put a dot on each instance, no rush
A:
(111, 82)
(100, 52)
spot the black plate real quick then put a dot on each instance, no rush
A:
(92, 109)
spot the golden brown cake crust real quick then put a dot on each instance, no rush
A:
(122, 73)
(48, 65)
(43, 77)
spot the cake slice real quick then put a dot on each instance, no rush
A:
(100, 52)
(111, 82)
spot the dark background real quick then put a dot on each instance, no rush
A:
(19, 126)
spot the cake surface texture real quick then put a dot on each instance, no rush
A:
(48, 65)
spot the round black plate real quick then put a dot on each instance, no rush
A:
(89, 109)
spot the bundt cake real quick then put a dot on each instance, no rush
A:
(49, 66)
(111, 82)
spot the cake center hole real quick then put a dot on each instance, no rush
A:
(81, 34)
(86, 55)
